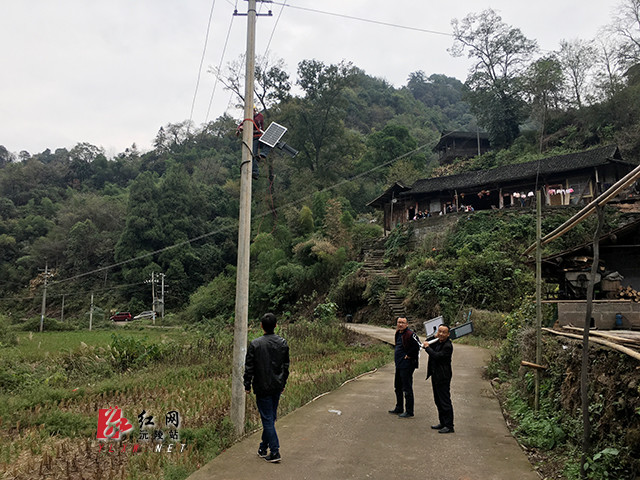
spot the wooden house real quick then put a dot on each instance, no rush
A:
(454, 145)
(570, 179)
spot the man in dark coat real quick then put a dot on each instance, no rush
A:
(406, 356)
(267, 369)
(439, 369)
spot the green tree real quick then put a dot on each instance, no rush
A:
(385, 146)
(82, 245)
(334, 227)
(501, 54)
(142, 233)
(305, 224)
(5, 156)
(544, 86)
(320, 134)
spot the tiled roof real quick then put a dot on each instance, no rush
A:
(448, 136)
(394, 190)
(519, 171)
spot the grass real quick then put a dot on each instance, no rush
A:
(39, 346)
(49, 421)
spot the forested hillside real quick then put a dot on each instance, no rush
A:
(102, 225)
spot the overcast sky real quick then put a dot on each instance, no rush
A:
(111, 73)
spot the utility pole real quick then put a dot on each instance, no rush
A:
(238, 400)
(538, 298)
(91, 314)
(44, 296)
(62, 309)
(162, 296)
(153, 296)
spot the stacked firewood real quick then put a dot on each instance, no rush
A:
(630, 293)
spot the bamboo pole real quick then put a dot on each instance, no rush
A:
(584, 376)
(615, 346)
(538, 298)
(615, 338)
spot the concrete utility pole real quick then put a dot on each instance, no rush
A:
(62, 309)
(44, 297)
(162, 296)
(91, 314)
(238, 401)
(153, 297)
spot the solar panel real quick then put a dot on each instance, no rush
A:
(273, 134)
(431, 326)
(462, 330)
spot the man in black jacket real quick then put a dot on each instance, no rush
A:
(439, 369)
(267, 369)
(406, 359)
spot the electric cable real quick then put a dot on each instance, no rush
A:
(360, 19)
(204, 51)
(73, 294)
(273, 31)
(260, 215)
(217, 73)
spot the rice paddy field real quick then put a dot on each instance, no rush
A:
(54, 384)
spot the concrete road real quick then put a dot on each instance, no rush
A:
(348, 434)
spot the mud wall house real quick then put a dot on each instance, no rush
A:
(454, 145)
(570, 179)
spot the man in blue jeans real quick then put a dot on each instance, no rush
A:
(266, 368)
(406, 356)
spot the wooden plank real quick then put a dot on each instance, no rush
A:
(532, 365)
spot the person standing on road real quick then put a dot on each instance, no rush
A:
(406, 356)
(439, 369)
(267, 369)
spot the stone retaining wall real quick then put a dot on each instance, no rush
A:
(572, 312)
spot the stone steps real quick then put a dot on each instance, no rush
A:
(374, 265)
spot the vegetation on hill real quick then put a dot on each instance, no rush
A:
(102, 226)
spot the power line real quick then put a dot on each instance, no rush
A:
(260, 215)
(275, 25)
(204, 51)
(72, 294)
(360, 19)
(224, 51)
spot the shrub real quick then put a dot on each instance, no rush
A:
(397, 244)
(435, 292)
(215, 298)
(489, 325)
(348, 293)
(49, 325)
(7, 337)
(376, 288)
(326, 312)
(129, 352)
(66, 424)
(535, 429)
